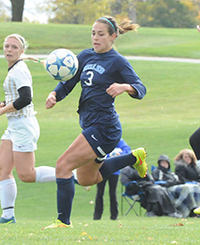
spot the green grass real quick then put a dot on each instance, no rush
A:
(146, 42)
(162, 123)
(139, 231)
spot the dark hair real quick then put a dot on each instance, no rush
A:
(125, 26)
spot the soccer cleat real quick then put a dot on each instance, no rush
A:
(7, 221)
(58, 224)
(196, 210)
(140, 164)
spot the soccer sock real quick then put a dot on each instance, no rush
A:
(65, 195)
(45, 174)
(8, 194)
(114, 164)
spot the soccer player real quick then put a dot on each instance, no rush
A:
(19, 141)
(104, 74)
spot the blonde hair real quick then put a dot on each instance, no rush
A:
(21, 40)
(24, 45)
(186, 151)
(125, 25)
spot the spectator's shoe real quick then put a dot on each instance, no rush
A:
(58, 224)
(7, 221)
(175, 215)
(196, 210)
(140, 164)
(151, 214)
(87, 188)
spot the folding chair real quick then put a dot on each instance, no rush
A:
(131, 200)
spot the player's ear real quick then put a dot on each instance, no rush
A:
(22, 51)
(113, 36)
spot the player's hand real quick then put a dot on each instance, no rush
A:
(51, 100)
(115, 89)
(1, 108)
(2, 104)
(198, 28)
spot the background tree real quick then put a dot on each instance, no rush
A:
(17, 10)
(3, 14)
(170, 13)
(77, 11)
(153, 13)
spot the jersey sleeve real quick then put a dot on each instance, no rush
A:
(129, 76)
(22, 77)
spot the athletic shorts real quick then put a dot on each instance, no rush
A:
(103, 139)
(24, 133)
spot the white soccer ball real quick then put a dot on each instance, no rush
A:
(62, 64)
(116, 152)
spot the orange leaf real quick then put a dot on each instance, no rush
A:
(177, 224)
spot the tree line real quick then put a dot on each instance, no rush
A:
(147, 13)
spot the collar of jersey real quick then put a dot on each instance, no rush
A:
(14, 64)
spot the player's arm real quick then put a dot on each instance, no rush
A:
(6, 109)
(117, 89)
(51, 100)
(23, 100)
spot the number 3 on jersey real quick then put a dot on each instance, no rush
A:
(91, 75)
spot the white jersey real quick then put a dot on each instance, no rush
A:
(18, 76)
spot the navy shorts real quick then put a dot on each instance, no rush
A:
(103, 139)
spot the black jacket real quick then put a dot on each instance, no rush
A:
(187, 172)
(161, 173)
(156, 197)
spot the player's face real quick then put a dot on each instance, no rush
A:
(101, 39)
(12, 50)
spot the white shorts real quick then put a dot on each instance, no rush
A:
(24, 133)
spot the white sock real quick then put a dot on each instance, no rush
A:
(45, 174)
(8, 194)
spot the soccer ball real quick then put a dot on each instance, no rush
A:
(116, 152)
(62, 64)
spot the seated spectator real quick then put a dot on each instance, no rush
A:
(163, 172)
(185, 197)
(156, 201)
(186, 167)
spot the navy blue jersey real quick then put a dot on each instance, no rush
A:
(97, 71)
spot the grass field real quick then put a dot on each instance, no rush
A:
(162, 123)
(168, 42)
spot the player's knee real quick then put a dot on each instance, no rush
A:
(25, 177)
(63, 165)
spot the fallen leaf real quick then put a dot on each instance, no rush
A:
(177, 224)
